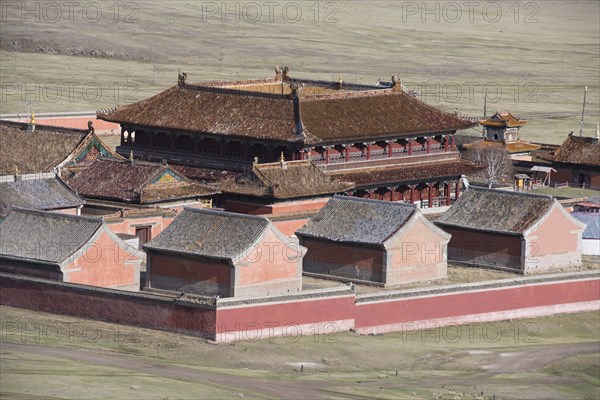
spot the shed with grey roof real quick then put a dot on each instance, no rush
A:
(67, 248)
(44, 191)
(515, 231)
(591, 235)
(369, 240)
(221, 253)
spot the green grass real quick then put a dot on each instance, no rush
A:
(345, 365)
(567, 192)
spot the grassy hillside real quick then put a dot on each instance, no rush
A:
(55, 356)
(534, 62)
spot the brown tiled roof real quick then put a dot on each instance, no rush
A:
(575, 150)
(45, 193)
(264, 109)
(209, 233)
(511, 147)
(353, 220)
(410, 173)
(33, 152)
(134, 182)
(291, 179)
(44, 237)
(496, 210)
(503, 120)
(46, 148)
(204, 174)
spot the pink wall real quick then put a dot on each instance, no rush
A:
(546, 240)
(104, 264)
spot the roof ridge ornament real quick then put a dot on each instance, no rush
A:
(181, 79)
(396, 84)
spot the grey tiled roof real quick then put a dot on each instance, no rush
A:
(40, 194)
(496, 210)
(592, 222)
(348, 219)
(209, 233)
(45, 237)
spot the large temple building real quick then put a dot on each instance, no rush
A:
(395, 146)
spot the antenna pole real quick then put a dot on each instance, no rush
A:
(484, 109)
(582, 113)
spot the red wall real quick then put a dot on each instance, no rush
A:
(479, 302)
(106, 305)
(307, 315)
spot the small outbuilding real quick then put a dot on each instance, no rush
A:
(514, 231)
(591, 234)
(43, 191)
(220, 253)
(371, 240)
(67, 248)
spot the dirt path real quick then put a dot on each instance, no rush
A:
(533, 359)
(271, 388)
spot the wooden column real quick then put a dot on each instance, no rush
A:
(457, 190)
(410, 142)
(412, 193)
(368, 151)
(327, 154)
(430, 195)
(452, 143)
(392, 193)
(371, 193)
(428, 144)
(348, 152)
(447, 192)
(122, 136)
(390, 148)
(447, 143)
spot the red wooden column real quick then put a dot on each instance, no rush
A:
(412, 193)
(371, 193)
(410, 146)
(327, 154)
(447, 192)
(392, 193)
(457, 189)
(348, 152)
(446, 143)
(428, 145)
(452, 143)
(368, 151)
(390, 148)
(430, 195)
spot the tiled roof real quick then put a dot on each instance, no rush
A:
(290, 179)
(511, 147)
(592, 222)
(503, 120)
(496, 210)
(575, 150)
(209, 233)
(45, 237)
(353, 220)
(46, 148)
(409, 173)
(42, 194)
(133, 182)
(33, 152)
(265, 109)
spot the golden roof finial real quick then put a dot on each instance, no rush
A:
(131, 156)
(32, 118)
(255, 162)
(282, 157)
